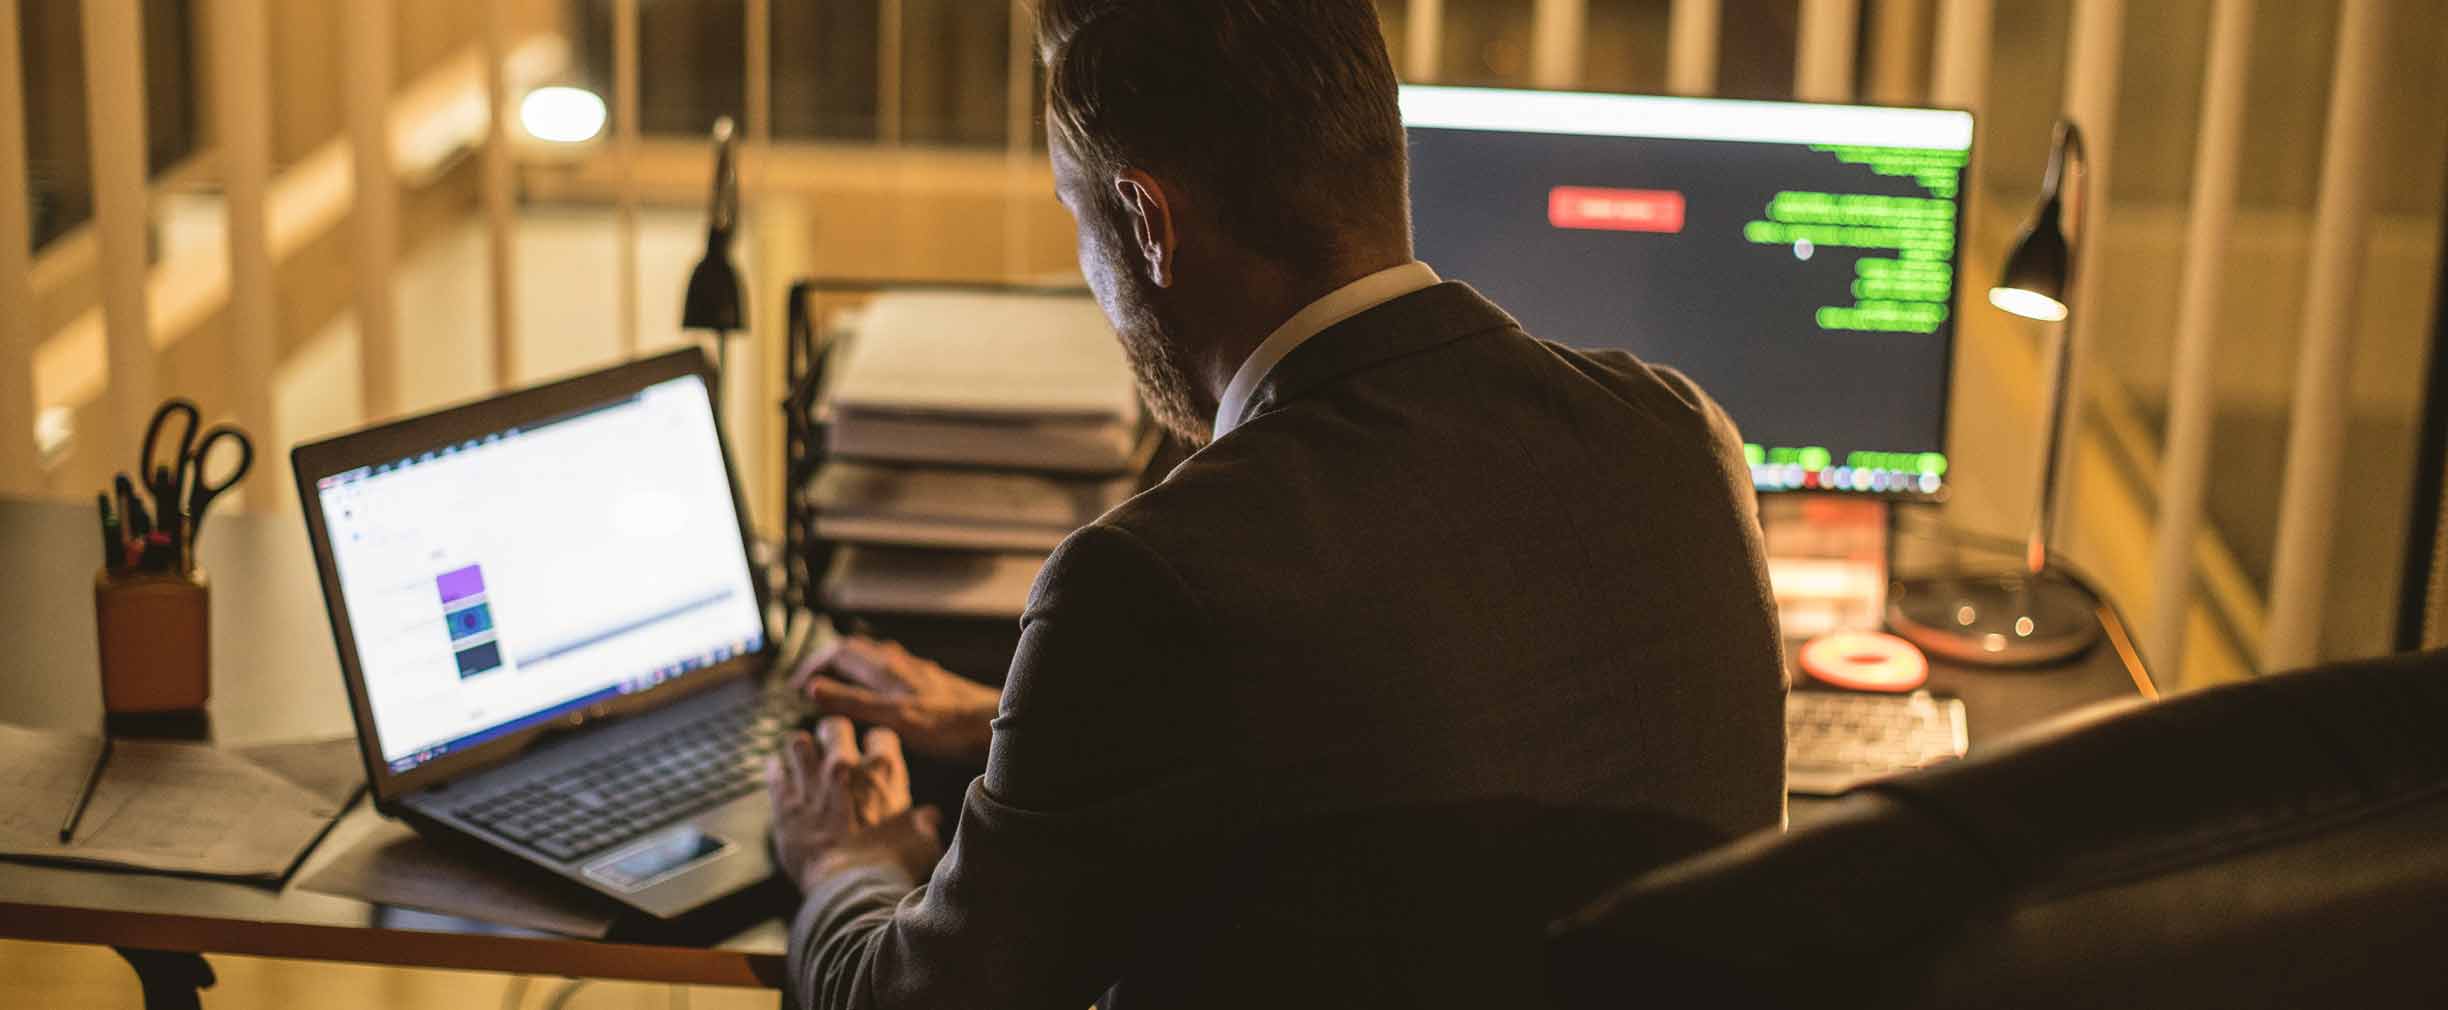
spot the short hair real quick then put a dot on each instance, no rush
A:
(1282, 115)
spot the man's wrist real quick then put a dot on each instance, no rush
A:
(979, 719)
(859, 860)
(904, 844)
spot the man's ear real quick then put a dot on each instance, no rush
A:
(1153, 234)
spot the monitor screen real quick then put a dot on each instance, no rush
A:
(1798, 261)
(500, 582)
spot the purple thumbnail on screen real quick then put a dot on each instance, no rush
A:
(461, 584)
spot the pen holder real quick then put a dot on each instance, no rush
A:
(156, 641)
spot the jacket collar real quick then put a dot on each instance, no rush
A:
(1431, 317)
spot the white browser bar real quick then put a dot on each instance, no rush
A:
(1584, 114)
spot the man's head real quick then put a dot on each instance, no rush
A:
(1226, 160)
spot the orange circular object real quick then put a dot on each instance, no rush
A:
(1865, 661)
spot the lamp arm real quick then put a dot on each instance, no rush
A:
(2067, 154)
(723, 206)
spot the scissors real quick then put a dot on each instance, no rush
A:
(201, 490)
(164, 482)
(181, 491)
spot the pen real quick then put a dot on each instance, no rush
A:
(166, 498)
(138, 522)
(126, 492)
(112, 549)
(85, 795)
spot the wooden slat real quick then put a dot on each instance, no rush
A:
(1899, 73)
(1823, 61)
(889, 48)
(1558, 29)
(2217, 156)
(757, 105)
(2091, 84)
(1959, 77)
(1020, 97)
(1424, 41)
(625, 144)
(500, 196)
(242, 120)
(115, 130)
(1691, 46)
(1020, 102)
(2316, 438)
(366, 82)
(20, 467)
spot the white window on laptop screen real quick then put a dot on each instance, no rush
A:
(531, 570)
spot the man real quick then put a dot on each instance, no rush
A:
(1441, 631)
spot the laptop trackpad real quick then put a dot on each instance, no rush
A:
(659, 858)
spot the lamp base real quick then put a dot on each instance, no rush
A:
(2019, 619)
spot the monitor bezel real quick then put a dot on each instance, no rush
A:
(1956, 316)
(314, 462)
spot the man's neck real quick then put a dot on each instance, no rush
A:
(1244, 319)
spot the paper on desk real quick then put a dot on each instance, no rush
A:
(328, 768)
(395, 867)
(169, 807)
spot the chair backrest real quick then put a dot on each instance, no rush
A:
(2279, 843)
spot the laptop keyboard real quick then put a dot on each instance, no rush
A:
(686, 771)
(1835, 741)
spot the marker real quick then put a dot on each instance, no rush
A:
(111, 549)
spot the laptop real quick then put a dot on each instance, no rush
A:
(552, 633)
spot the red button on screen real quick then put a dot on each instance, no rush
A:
(1651, 210)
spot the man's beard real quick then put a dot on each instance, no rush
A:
(1154, 348)
(1164, 382)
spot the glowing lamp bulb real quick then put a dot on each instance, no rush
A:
(562, 115)
(2028, 304)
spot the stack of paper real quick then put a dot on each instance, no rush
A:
(968, 434)
(896, 580)
(982, 510)
(1022, 381)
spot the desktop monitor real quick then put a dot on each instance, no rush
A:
(1797, 260)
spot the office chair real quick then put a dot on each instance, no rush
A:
(2278, 843)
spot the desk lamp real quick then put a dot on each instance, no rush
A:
(714, 301)
(2036, 615)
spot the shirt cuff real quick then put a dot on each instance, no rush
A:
(832, 904)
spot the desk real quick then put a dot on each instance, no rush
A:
(2001, 704)
(275, 678)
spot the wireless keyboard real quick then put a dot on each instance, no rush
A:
(1837, 740)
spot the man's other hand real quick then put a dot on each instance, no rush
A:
(937, 712)
(836, 807)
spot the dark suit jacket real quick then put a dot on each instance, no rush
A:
(1457, 628)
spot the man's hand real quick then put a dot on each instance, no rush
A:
(939, 713)
(835, 808)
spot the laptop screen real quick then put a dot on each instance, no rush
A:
(500, 582)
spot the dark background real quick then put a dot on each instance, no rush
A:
(1739, 318)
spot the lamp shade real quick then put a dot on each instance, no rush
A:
(714, 301)
(2033, 285)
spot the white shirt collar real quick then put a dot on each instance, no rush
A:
(1350, 300)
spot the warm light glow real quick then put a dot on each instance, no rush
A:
(2028, 304)
(562, 115)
